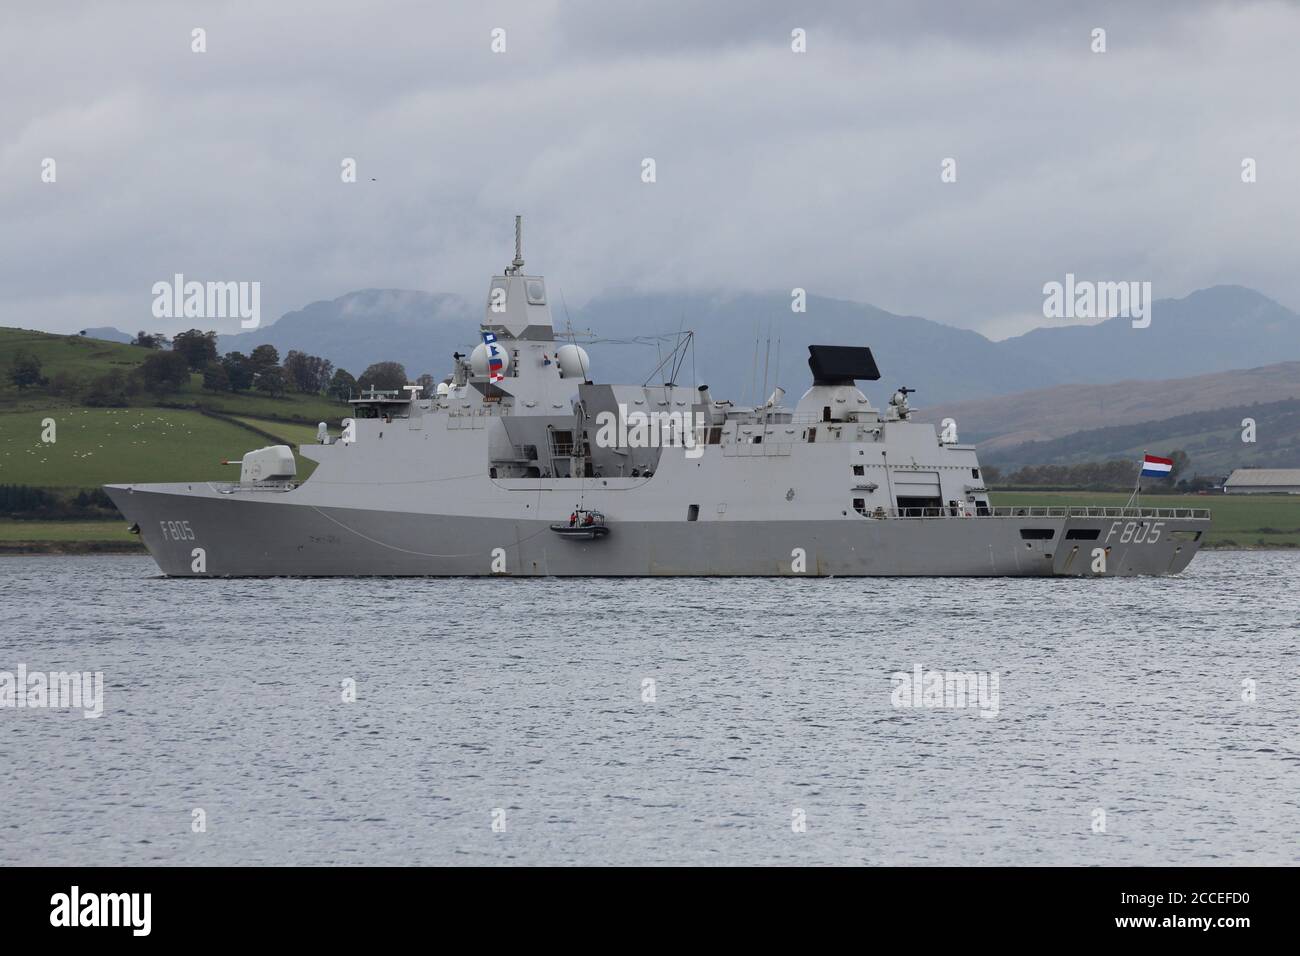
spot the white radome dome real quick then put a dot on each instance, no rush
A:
(442, 389)
(574, 362)
(478, 359)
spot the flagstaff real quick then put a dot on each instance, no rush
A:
(1153, 466)
(1133, 499)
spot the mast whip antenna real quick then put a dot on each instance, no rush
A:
(518, 264)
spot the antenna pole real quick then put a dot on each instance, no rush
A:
(777, 378)
(1137, 484)
(767, 355)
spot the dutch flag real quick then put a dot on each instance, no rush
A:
(1153, 467)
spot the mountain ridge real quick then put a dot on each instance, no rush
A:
(1211, 330)
(1051, 413)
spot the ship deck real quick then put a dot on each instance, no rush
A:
(1050, 511)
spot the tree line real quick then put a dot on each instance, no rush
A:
(1117, 474)
(24, 501)
(172, 361)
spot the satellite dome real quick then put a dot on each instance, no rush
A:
(478, 359)
(574, 362)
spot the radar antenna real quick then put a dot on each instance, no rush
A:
(515, 267)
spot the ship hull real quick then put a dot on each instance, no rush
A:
(207, 534)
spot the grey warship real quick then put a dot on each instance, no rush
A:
(521, 465)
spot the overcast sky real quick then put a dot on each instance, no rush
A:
(775, 169)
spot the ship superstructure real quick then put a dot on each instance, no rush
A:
(521, 464)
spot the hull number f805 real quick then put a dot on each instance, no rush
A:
(1136, 532)
(177, 530)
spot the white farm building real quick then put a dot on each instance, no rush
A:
(1263, 481)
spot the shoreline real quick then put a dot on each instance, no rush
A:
(55, 548)
(15, 549)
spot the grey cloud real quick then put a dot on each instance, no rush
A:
(775, 170)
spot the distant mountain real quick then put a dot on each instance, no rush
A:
(418, 329)
(731, 345)
(1216, 329)
(633, 332)
(1209, 331)
(1212, 441)
(108, 334)
(1201, 415)
(1045, 414)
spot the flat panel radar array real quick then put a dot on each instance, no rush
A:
(842, 364)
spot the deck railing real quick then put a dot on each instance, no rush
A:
(1040, 511)
(270, 484)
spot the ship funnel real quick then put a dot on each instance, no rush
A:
(714, 416)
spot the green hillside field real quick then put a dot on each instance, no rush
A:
(81, 357)
(181, 436)
(96, 446)
(72, 537)
(289, 433)
(84, 359)
(166, 438)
